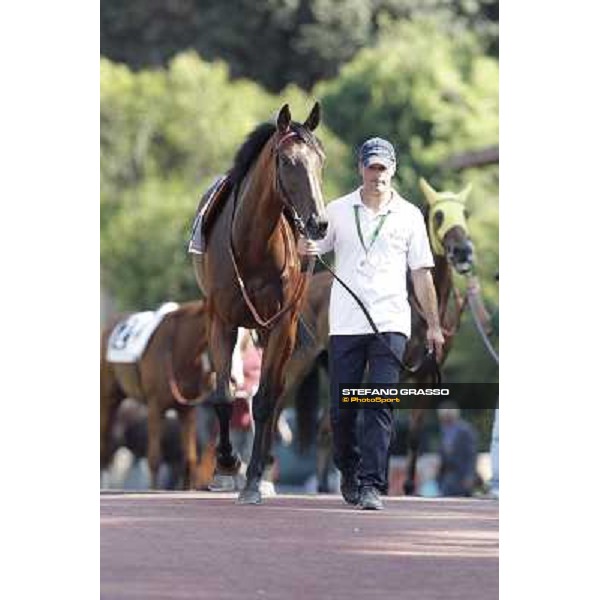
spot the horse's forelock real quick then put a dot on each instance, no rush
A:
(258, 139)
(308, 137)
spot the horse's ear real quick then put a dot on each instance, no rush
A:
(430, 194)
(313, 119)
(464, 194)
(284, 118)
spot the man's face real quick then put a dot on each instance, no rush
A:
(377, 179)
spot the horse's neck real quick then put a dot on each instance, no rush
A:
(449, 310)
(258, 209)
(442, 280)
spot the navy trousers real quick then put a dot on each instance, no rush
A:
(360, 445)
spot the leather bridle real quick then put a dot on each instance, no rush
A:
(299, 223)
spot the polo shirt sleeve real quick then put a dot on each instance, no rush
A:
(419, 251)
(326, 244)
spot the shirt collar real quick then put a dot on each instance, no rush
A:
(393, 205)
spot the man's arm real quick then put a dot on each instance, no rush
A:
(425, 292)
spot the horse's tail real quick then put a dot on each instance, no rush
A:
(306, 402)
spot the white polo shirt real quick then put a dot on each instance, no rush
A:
(378, 277)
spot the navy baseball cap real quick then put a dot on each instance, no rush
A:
(377, 151)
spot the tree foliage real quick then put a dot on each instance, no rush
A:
(433, 96)
(167, 132)
(455, 17)
(273, 42)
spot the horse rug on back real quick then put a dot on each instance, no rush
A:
(130, 336)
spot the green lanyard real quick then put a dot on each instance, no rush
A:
(382, 219)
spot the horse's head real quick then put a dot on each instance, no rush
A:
(299, 166)
(447, 226)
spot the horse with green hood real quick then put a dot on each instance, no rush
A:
(446, 217)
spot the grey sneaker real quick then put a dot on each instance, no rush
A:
(369, 499)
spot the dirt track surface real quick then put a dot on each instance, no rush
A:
(202, 545)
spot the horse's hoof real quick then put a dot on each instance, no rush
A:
(249, 497)
(409, 488)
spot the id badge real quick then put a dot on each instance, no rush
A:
(366, 268)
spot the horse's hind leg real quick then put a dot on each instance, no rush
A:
(110, 398)
(154, 440)
(324, 453)
(187, 416)
(414, 434)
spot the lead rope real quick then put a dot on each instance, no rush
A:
(429, 358)
(481, 331)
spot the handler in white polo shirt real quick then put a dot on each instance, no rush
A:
(376, 236)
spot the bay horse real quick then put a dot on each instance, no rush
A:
(174, 363)
(251, 273)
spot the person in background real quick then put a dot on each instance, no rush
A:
(458, 452)
(242, 425)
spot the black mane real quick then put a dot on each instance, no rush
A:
(255, 142)
(249, 151)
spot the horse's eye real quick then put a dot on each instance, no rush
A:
(438, 218)
(467, 213)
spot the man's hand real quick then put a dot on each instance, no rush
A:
(435, 341)
(307, 247)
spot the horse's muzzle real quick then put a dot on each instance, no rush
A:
(461, 256)
(316, 227)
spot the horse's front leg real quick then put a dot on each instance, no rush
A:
(222, 343)
(277, 353)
